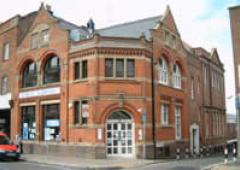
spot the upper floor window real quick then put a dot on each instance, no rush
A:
(163, 71)
(44, 37)
(6, 51)
(52, 70)
(164, 114)
(34, 41)
(177, 80)
(167, 37)
(29, 76)
(4, 85)
(119, 68)
(81, 70)
(174, 41)
(192, 88)
(205, 73)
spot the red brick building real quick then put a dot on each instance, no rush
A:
(125, 90)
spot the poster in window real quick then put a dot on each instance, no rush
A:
(25, 131)
(85, 110)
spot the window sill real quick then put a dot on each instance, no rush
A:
(80, 80)
(165, 126)
(120, 78)
(80, 126)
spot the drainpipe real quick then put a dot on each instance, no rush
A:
(153, 109)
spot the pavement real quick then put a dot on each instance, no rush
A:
(106, 164)
(230, 165)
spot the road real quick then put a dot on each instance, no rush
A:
(191, 164)
(25, 165)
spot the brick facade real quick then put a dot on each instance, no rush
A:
(136, 95)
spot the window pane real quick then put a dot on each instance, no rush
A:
(52, 70)
(76, 112)
(44, 37)
(109, 68)
(119, 68)
(130, 68)
(85, 111)
(6, 51)
(84, 69)
(76, 70)
(51, 122)
(4, 85)
(28, 123)
(29, 78)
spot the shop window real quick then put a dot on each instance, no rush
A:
(81, 112)
(178, 124)
(164, 114)
(29, 77)
(34, 41)
(4, 85)
(28, 123)
(6, 51)
(51, 122)
(81, 70)
(52, 70)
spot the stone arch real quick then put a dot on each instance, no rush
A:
(115, 107)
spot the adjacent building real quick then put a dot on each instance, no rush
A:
(235, 26)
(129, 90)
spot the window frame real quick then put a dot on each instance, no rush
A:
(81, 71)
(4, 85)
(164, 114)
(112, 74)
(177, 77)
(79, 118)
(24, 76)
(163, 72)
(49, 64)
(6, 51)
(178, 119)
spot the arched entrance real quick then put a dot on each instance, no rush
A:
(120, 135)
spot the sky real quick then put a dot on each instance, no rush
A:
(202, 23)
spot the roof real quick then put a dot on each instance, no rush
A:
(132, 29)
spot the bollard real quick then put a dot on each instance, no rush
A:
(208, 151)
(201, 152)
(177, 153)
(234, 152)
(204, 151)
(225, 154)
(186, 153)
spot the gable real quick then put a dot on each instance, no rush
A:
(215, 58)
(168, 20)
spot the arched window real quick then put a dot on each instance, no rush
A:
(29, 77)
(52, 70)
(177, 80)
(163, 71)
(4, 85)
